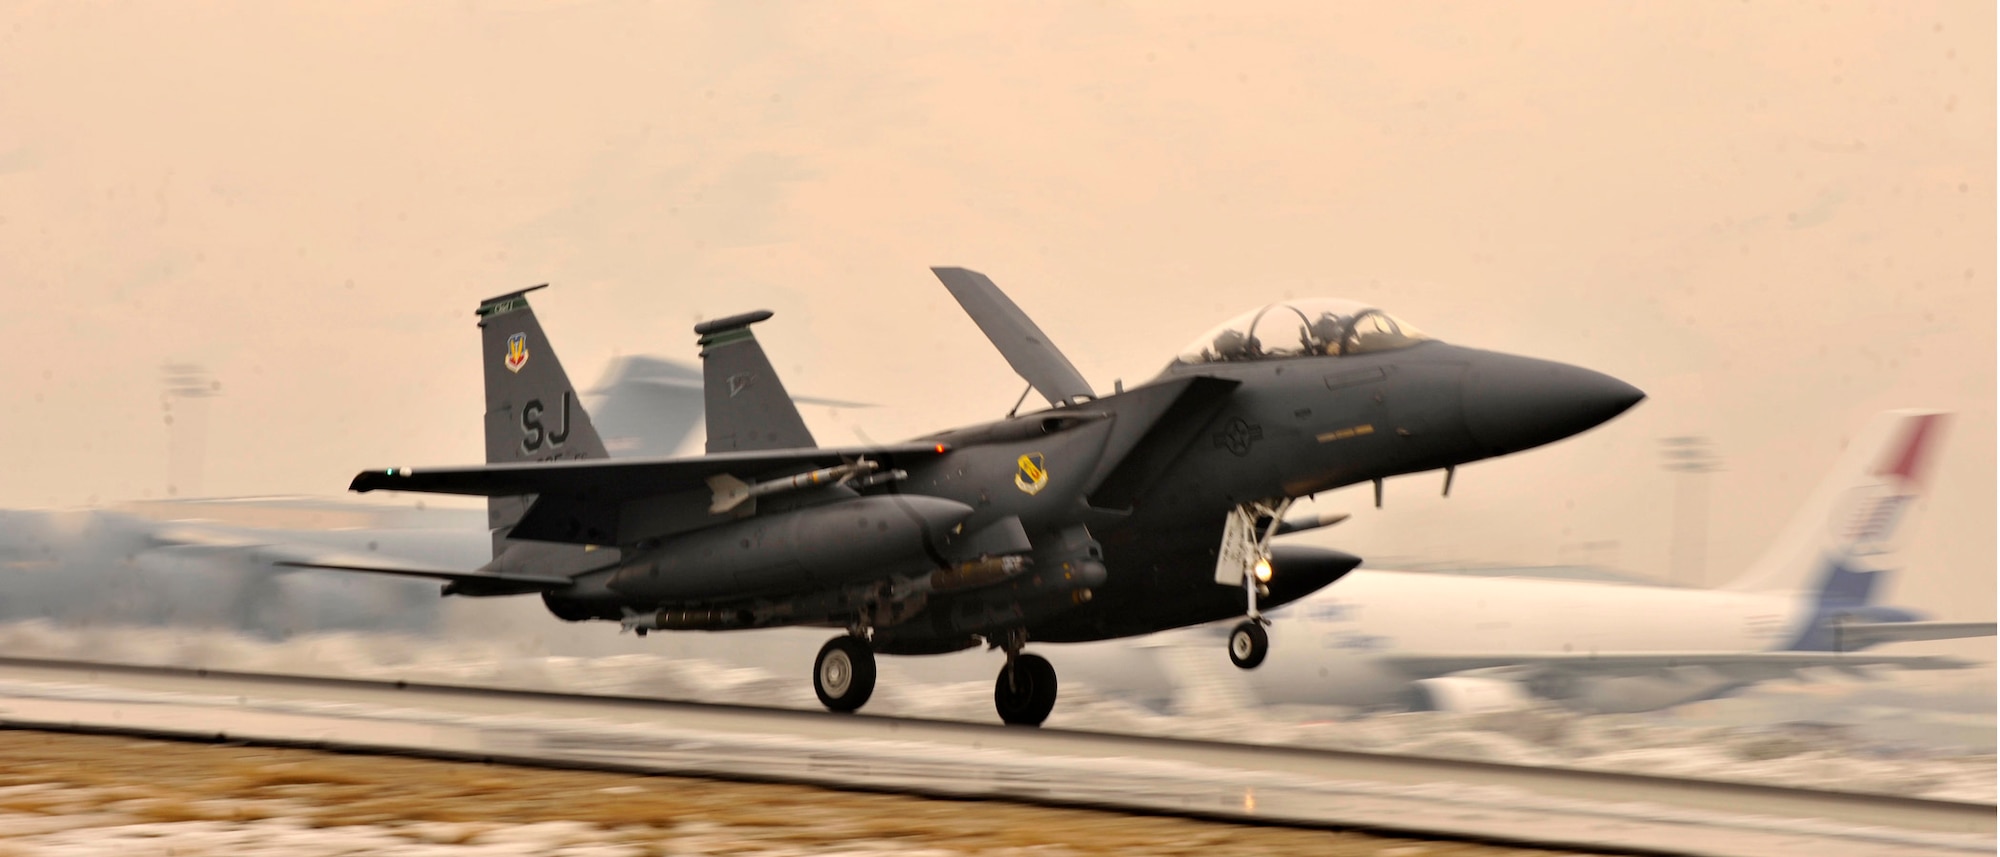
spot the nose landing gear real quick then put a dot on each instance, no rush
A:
(1244, 559)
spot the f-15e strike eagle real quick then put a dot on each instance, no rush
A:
(1152, 508)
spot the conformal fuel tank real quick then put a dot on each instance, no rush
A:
(796, 551)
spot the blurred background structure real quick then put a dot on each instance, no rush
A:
(1692, 458)
(186, 389)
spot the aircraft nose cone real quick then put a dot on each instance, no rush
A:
(1516, 403)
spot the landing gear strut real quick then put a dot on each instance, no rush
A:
(1025, 693)
(844, 674)
(1244, 559)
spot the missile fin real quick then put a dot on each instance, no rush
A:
(730, 492)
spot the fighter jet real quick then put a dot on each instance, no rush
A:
(1102, 516)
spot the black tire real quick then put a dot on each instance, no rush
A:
(1030, 696)
(844, 674)
(1248, 645)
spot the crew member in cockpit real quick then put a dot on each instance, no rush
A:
(1234, 344)
(1327, 332)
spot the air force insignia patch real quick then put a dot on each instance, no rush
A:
(517, 352)
(1031, 476)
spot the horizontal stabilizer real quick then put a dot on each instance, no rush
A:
(476, 577)
(1859, 635)
(264, 549)
(1027, 349)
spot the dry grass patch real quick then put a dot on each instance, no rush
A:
(443, 834)
(455, 803)
(35, 805)
(253, 777)
(171, 810)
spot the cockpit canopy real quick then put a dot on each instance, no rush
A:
(1316, 327)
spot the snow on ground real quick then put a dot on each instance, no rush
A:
(1699, 742)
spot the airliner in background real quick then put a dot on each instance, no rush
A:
(1440, 641)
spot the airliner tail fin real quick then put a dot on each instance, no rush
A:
(1837, 544)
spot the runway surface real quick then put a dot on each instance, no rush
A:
(1911, 734)
(1320, 789)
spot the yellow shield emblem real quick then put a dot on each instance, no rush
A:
(517, 352)
(1031, 476)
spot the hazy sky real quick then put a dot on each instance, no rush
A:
(1776, 218)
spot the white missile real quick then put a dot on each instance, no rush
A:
(731, 492)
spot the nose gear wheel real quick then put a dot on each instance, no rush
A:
(1248, 645)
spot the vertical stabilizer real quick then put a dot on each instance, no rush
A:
(532, 411)
(748, 408)
(1841, 540)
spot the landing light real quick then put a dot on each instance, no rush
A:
(1263, 571)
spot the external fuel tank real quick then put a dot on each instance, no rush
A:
(830, 544)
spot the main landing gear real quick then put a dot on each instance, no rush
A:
(844, 674)
(1025, 693)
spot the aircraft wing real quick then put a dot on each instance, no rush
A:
(1858, 635)
(1741, 665)
(610, 501)
(615, 478)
